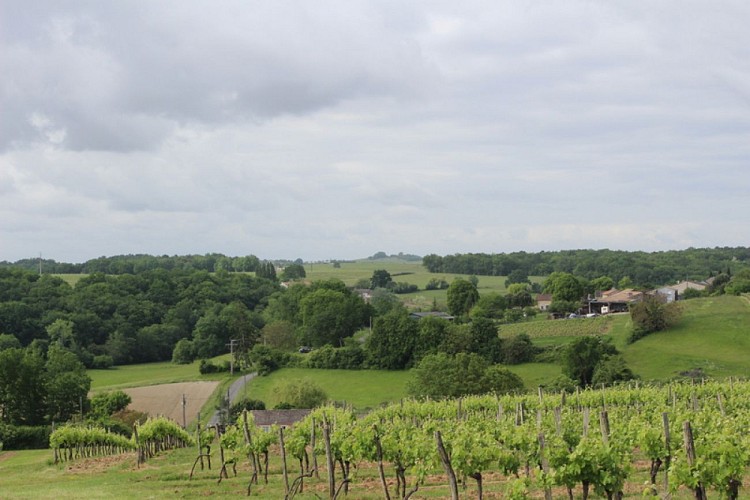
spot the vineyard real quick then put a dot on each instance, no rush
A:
(687, 439)
(559, 328)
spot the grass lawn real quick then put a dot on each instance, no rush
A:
(165, 372)
(712, 335)
(361, 388)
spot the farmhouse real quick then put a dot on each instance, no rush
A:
(613, 301)
(543, 301)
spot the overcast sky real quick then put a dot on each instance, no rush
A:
(327, 129)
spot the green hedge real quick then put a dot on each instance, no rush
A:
(22, 437)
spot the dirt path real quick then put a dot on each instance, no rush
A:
(166, 399)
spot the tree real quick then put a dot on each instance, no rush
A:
(184, 352)
(293, 272)
(582, 356)
(652, 314)
(105, 404)
(280, 335)
(611, 369)
(380, 279)
(8, 341)
(518, 349)
(518, 295)
(563, 287)
(485, 340)
(22, 387)
(462, 296)
(330, 316)
(67, 384)
(517, 276)
(392, 342)
(491, 305)
(443, 376)
(384, 301)
(602, 283)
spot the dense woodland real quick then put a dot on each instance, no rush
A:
(643, 268)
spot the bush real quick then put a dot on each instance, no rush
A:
(207, 367)
(267, 359)
(518, 349)
(652, 314)
(245, 404)
(107, 403)
(103, 362)
(21, 437)
(184, 352)
(350, 357)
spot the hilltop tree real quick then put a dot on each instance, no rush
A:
(293, 272)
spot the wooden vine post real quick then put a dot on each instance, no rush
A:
(687, 433)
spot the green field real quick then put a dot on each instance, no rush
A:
(360, 388)
(713, 335)
(165, 372)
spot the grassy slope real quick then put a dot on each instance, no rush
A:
(712, 335)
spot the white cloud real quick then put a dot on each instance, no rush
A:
(334, 129)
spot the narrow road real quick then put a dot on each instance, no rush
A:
(233, 391)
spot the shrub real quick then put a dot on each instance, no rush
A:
(184, 352)
(267, 359)
(103, 362)
(207, 367)
(21, 437)
(245, 404)
(652, 314)
(350, 357)
(107, 403)
(518, 349)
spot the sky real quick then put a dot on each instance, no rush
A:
(337, 129)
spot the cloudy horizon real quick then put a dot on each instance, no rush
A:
(332, 130)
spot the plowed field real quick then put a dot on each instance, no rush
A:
(166, 399)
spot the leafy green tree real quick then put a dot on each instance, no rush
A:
(22, 387)
(602, 283)
(184, 352)
(518, 349)
(611, 369)
(441, 376)
(330, 316)
(392, 342)
(384, 301)
(563, 287)
(652, 314)
(739, 283)
(380, 279)
(67, 384)
(490, 305)
(517, 276)
(625, 282)
(105, 404)
(431, 336)
(485, 340)
(519, 295)
(462, 295)
(280, 335)
(8, 341)
(582, 356)
(293, 272)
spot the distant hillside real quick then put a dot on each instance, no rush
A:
(712, 338)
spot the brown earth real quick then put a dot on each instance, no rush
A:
(166, 399)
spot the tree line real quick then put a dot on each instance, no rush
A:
(642, 268)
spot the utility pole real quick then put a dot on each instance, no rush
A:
(184, 418)
(231, 345)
